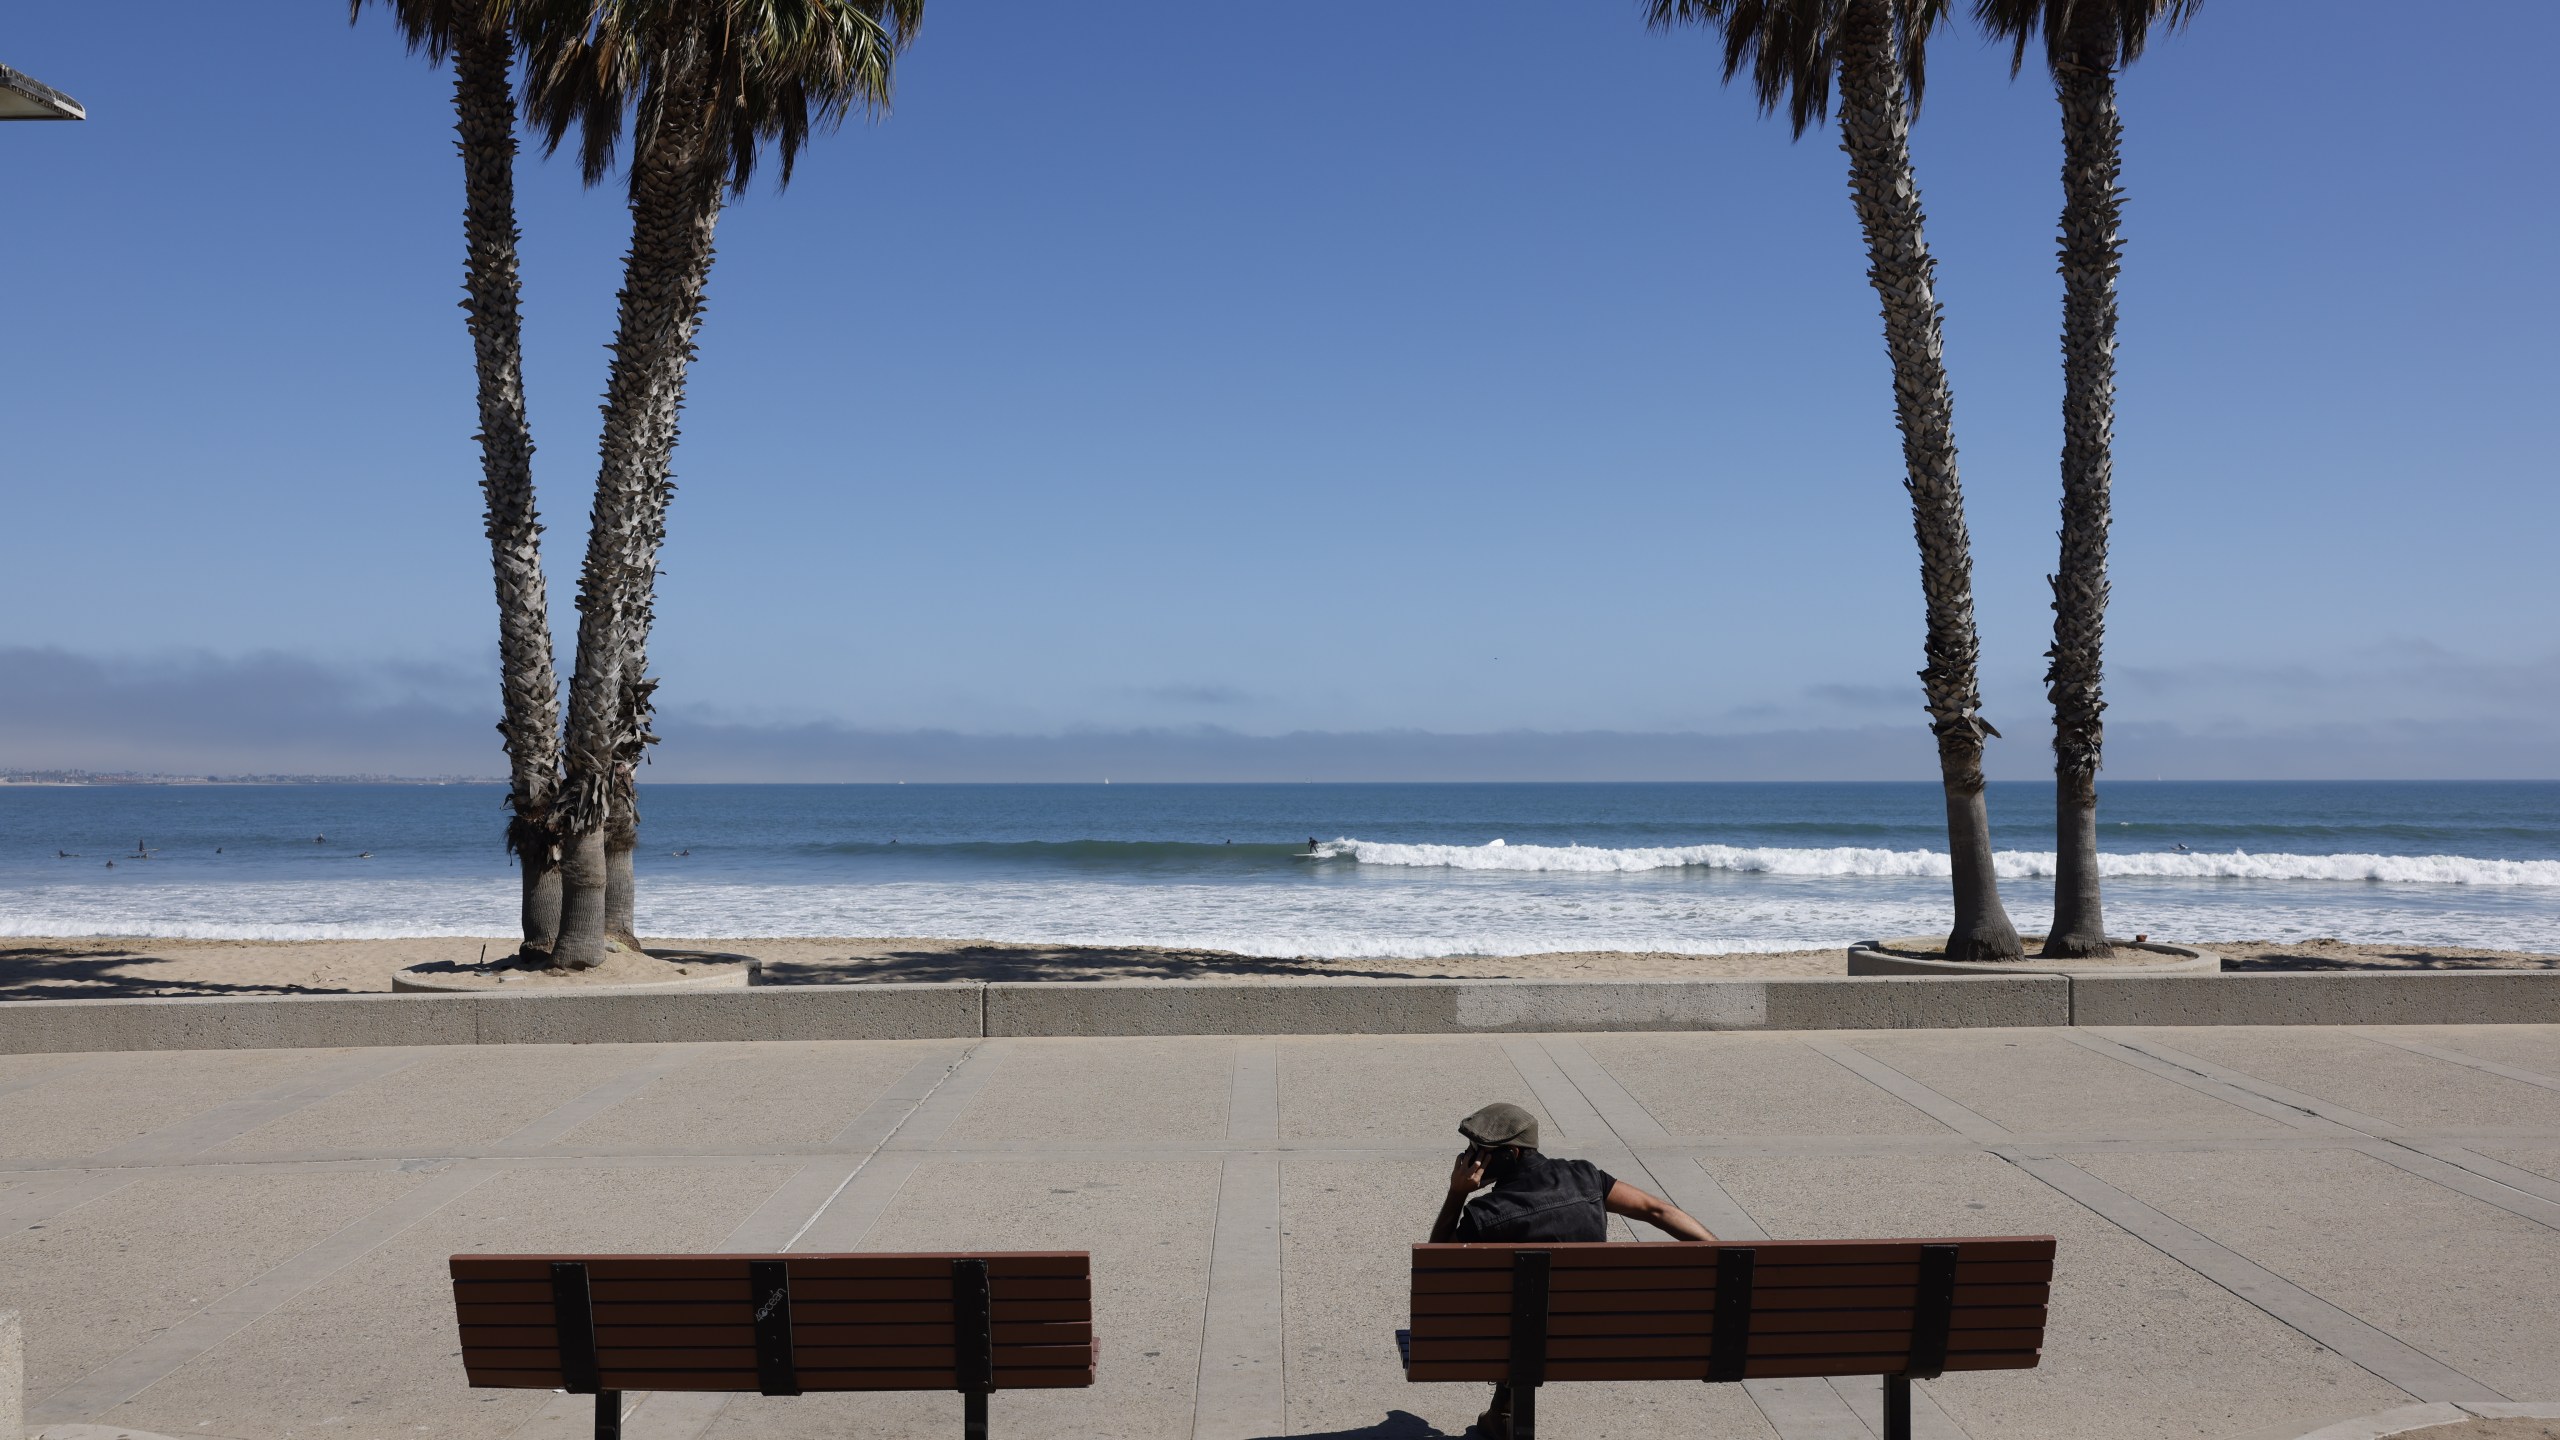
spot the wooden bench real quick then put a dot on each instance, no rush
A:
(1523, 1315)
(776, 1324)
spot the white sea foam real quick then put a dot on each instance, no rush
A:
(1845, 861)
(1381, 913)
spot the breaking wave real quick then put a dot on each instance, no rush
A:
(2012, 864)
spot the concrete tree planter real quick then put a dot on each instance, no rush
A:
(1917, 956)
(623, 972)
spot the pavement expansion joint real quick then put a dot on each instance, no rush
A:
(2468, 1061)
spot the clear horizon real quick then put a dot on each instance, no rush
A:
(1208, 394)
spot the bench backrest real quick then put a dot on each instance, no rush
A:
(1729, 1311)
(778, 1324)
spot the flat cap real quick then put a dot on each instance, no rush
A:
(1501, 1123)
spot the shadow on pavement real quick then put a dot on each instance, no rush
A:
(37, 973)
(2387, 961)
(1399, 1425)
(1060, 962)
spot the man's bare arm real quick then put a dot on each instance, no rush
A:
(1625, 1199)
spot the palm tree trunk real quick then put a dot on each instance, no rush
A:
(1875, 130)
(622, 824)
(621, 838)
(675, 204)
(2092, 135)
(529, 685)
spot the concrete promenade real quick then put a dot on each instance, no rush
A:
(2264, 1230)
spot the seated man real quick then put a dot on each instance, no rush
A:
(1535, 1198)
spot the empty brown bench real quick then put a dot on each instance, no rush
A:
(1523, 1315)
(776, 1324)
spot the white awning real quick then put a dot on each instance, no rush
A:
(24, 99)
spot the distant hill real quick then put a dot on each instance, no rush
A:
(138, 777)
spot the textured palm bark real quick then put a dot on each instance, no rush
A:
(2091, 253)
(675, 203)
(622, 824)
(1875, 130)
(621, 840)
(529, 684)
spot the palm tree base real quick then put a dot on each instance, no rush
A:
(1986, 947)
(623, 972)
(1921, 955)
(582, 941)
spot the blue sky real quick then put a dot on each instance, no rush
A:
(1479, 367)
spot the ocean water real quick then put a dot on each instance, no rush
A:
(1396, 871)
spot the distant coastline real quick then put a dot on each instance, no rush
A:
(63, 778)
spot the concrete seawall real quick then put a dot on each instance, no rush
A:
(2456, 997)
(865, 1012)
(1288, 1007)
(1440, 1007)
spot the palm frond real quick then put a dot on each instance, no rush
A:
(1787, 46)
(2108, 33)
(433, 27)
(770, 72)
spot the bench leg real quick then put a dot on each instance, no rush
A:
(1897, 1407)
(1524, 1412)
(608, 1415)
(973, 1414)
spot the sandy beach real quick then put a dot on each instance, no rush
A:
(109, 967)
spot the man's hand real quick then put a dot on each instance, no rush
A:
(1467, 1176)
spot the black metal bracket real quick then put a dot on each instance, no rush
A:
(1933, 1312)
(1530, 1271)
(769, 1296)
(573, 1329)
(973, 1343)
(573, 1321)
(1729, 1351)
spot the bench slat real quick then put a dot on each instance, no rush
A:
(1062, 1378)
(716, 1267)
(1774, 1367)
(745, 1380)
(742, 1358)
(1702, 1277)
(1701, 1322)
(1762, 1302)
(893, 1312)
(644, 1292)
(1895, 1343)
(540, 1337)
(1772, 1253)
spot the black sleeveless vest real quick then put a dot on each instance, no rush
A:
(1541, 1199)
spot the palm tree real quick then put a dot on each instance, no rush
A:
(2085, 43)
(475, 33)
(705, 85)
(1792, 49)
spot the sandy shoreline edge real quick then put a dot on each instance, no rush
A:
(107, 967)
